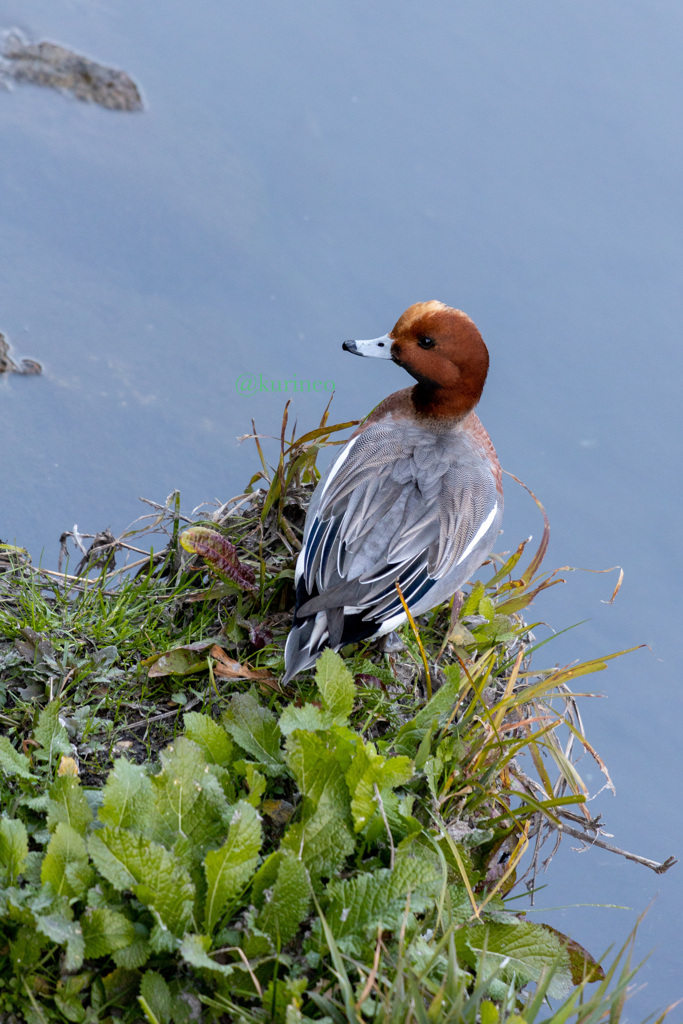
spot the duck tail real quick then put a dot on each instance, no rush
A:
(307, 639)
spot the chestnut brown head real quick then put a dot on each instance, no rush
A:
(442, 349)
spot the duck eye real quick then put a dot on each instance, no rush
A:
(425, 342)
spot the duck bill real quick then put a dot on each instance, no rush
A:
(376, 348)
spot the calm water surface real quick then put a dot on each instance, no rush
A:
(301, 174)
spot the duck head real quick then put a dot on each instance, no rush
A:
(442, 349)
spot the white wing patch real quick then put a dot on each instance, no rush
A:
(336, 466)
(300, 563)
(479, 534)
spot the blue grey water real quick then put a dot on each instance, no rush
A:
(301, 174)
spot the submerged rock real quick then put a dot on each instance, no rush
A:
(7, 364)
(52, 65)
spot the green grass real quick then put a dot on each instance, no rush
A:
(182, 839)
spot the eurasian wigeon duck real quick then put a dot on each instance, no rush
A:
(415, 496)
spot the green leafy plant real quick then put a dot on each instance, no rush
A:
(176, 866)
(183, 840)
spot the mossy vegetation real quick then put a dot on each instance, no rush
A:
(182, 840)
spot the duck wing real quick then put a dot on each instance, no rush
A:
(400, 504)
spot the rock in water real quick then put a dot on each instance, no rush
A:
(55, 66)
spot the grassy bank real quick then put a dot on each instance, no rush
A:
(181, 839)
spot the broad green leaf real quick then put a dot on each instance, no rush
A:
(71, 1007)
(309, 718)
(319, 762)
(50, 733)
(288, 904)
(265, 877)
(433, 769)
(525, 951)
(194, 949)
(27, 947)
(12, 762)
(471, 603)
(13, 849)
(39, 804)
(64, 932)
(68, 804)
(323, 841)
(336, 686)
(488, 1013)
(358, 906)
(154, 874)
(156, 994)
(581, 964)
(322, 837)
(135, 955)
(256, 730)
(256, 783)
(461, 636)
(80, 877)
(439, 707)
(189, 801)
(369, 769)
(70, 991)
(66, 847)
(209, 736)
(181, 661)
(501, 630)
(120, 986)
(105, 930)
(127, 797)
(161, 941)
(228, 869)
